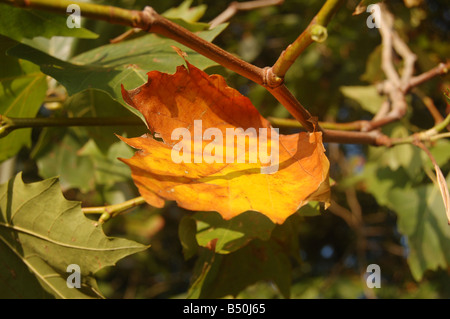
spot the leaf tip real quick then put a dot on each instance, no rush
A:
(180, 52)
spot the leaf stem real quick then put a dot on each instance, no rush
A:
(110, 211)
(439, 136)
(8, 124)
(428, 135)
(374, 138)
(442, 125)
(350, 126)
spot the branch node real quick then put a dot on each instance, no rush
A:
(148, 17)
(270, 79)
(384, 140)
(319, 33)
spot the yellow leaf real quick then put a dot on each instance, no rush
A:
(217, 152)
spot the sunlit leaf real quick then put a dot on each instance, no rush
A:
(297, 165)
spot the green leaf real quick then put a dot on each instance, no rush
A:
(366, 96)
(185, 12)
(94, 103)
(406, 155)
(310, 209)
(42, 231)
(58, 157)
(108, 170)
(72, 155)
(373, 72)
(85, 157)
(379, 181)
(421, 217)
(23, 89)
(231, 234)
(440, 153)
(107, 67)
(18, 23)
(186, 232)
(218, 275)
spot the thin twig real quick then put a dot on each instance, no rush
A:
(440, 69)
(392, 87)
(374, 138)
(431, 134)
(439, 136)
(386, 30)
(9, 124)
(110, 211)
(408, 57)
(349, 126)
(126, 35)
(316, 31)
(395, 88)
(430, 106)
(235, 6)
(382, 112)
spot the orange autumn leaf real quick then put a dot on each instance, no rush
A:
(197, 163)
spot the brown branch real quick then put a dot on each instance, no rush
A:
(386, 31)
(150, 21)
(394, 87)
(235, 6)
(285, 97)
(349, 126)
(374, 138)
(440, 69)
(165, 27)
(382, 112)
(430, 106)
(408, 57)
(342, 212)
